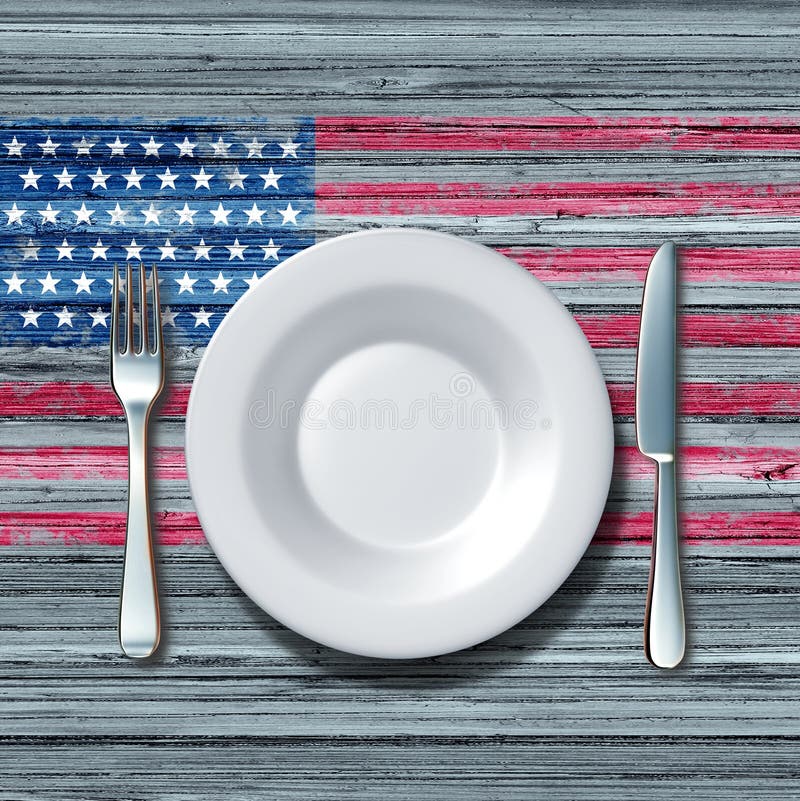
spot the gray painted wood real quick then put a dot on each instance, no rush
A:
(476, 768)
(170, 433)
(250, 58)
(626, 495)
(563, 705)
(644, 231)
(695, 364)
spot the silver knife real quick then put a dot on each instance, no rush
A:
(664, 629)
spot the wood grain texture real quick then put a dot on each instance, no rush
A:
(563, 705)
(356, 57)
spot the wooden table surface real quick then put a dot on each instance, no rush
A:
(563, 705)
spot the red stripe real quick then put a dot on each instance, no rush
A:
(696, 399)
(66, 399)
(569, 198)
(92, 528)
(704, 528)
(110, 463)
(698, 330)
(556, 133)
(80, 463)
(183, 528)
(710, 400)
(699, 462)
(697, 265)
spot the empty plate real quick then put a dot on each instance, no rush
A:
(399, 443)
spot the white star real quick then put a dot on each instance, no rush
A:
(254, 215)
(152, 147)
(83, 284)
(202, 317)
(289, 214)
(99, 179)
(30, 251)
(31, 317)
(99, 317)
(65, 251)
(99, 250)
(14, 147)
(168, 316)
(289, 148)
(49, 147)
(117, 147)
(270, 250)
(167, 250)
(220, 215)
(30, 178)
(83, 214)
(186, 147)
(133, 252)
(14, 283)
(134, 178)
(186, 284)
(83, 147)
(220, 283)
(64, 317)
(236, 250)
(236, 178)
(117, 215)
(151, 215)
(168, 178)
(220, 148)
(271, 178)
(15, 215)
(254, 149)
(252, 281)
(202, 178)
(64, 179)
(186, 215)
(202, 250)
(49, 283)
(49, 214)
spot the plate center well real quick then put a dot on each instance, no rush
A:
(398, 444)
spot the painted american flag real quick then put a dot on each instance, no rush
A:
(581, 203)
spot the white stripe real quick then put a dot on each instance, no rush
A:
(90, 364)
(546, 230)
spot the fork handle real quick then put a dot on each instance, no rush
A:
(139, 621)
(664, 628)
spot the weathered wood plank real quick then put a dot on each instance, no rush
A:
(94, 495)
(544, 230)
(361, 56)
(90, 364)
(170, 433)
(543, 165)
(479, 768)
(437, 58)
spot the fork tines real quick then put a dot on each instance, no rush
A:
(144, 339)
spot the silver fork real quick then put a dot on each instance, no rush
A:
(137, 375)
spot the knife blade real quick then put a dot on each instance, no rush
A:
(664, 627)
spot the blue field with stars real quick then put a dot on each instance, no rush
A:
(214, 206)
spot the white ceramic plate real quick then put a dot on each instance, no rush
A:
(399, 443)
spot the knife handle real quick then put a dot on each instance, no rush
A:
(664, 629)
